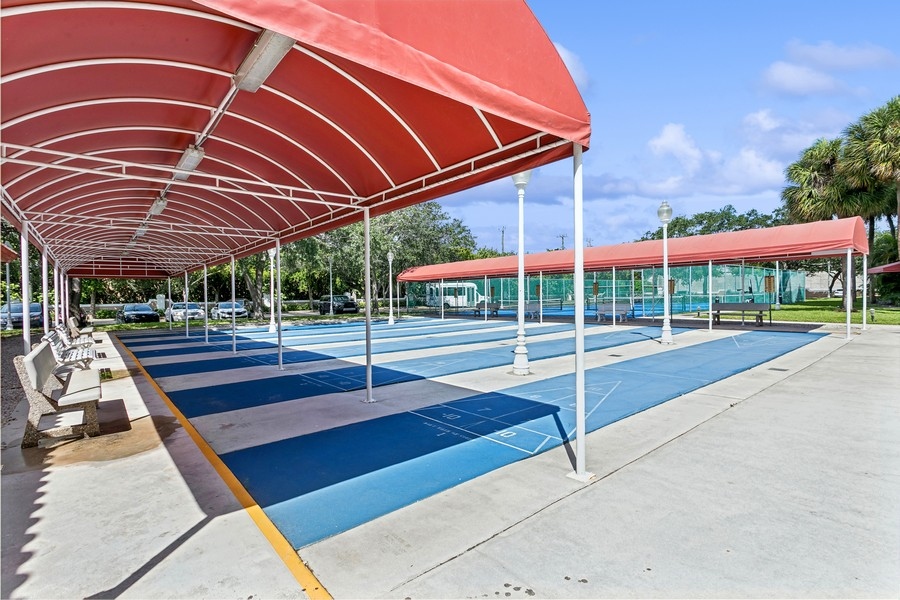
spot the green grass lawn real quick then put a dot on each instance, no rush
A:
(830, 310)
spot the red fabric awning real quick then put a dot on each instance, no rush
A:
(888, 268)
(787, 242)
(377, 104)
(8, 254)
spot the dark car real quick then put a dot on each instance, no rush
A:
(35, 315)
(137, 313)
(342, 304)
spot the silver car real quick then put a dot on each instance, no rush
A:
(178, 310)
(223, 310)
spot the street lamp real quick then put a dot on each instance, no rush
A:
(665, 215)
(390, 258)
(330, 289)
(271, 290)
(520, 360)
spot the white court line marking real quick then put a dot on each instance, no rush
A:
(473, 435)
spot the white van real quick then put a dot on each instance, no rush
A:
(452, 295)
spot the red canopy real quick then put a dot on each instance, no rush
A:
(375, 104)
(787, 242)
(888, 268)
(7, 254)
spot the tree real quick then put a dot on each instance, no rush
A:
(717, 221)
(872, 152)
(820, 191)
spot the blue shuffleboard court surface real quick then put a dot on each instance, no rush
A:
(206, 400)
(316, 485)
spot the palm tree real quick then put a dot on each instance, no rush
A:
(872, 152)
(820, 191)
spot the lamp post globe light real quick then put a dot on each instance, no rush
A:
(390, 257)
(271, 290)
(520, 360)
(665, 215)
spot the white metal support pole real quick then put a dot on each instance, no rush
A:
(8, 300)
(865, 289)
(520, 360)
(55, 294)
(65, 308)
(57, 288)
(26, 288)
(271, 290)
(278, 299)
(45, 284)
(206, 306)
(187, 294)
(777, 287)
(368, 296)
(441, 298)
(665, 215)
(848, 289)
(632, 293)
(580, 473)
(710, 292)
(169, 307)
(390, 257)
(743, 285)
(233, 316)
(486, 299)
(330, 289)
(541, 295)
(614, 295)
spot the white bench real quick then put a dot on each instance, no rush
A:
(755, 308)
(66, 355)
(80, 391)
(492, 307)
(620, 311)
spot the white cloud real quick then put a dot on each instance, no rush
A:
(785, 138)
(675, 141)
(827, 55)
(799, 80)
(750, 172)
(575, 66)
(762, 120)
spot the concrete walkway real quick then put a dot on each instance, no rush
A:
(782, 481)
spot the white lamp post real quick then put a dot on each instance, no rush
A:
(520, 361)
(330, 289)
(8, 302)
(271, 290)
(665, 215)
(390, 257)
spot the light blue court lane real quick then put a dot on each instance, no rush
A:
(317, 485)
(199, 401)
(317, 334)
(311, 351)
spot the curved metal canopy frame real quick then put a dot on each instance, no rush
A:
(147, 139)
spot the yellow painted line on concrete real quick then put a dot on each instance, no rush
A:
(301, 572)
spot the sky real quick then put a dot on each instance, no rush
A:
(702, 103)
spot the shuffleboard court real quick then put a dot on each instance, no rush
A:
(206, 400)
(316, 352)
(316, 485)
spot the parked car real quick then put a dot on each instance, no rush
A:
(177, 311)
(342, 304)
(137, 313)
(14, 314)
(223, 310)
